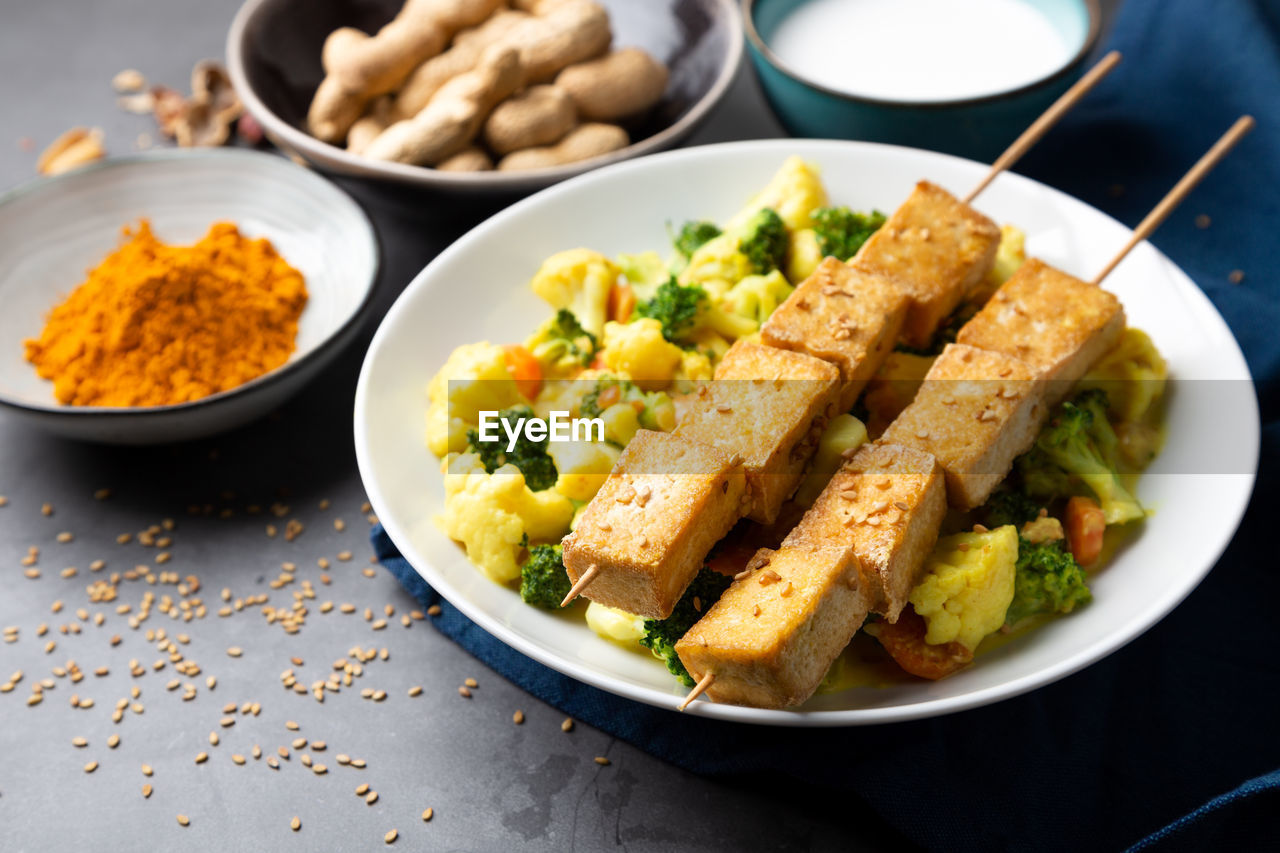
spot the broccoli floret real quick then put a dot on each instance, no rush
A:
(1079, 444)
(841, 232)
(1010, 506)
(561, 344)
(692, 235)
(530, 457)
(566, 326)
(660, 635)
(675, 306)
(764, 241)
(1048, 580)
(543, 580)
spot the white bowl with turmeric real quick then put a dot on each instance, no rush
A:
(174, 295)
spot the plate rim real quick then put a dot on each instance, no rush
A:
(809, 149)
(338, 335)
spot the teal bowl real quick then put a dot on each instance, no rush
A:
(975, 127)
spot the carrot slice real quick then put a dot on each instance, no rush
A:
(904, 641)
(622, 301)
(1085, 523)
(524, 369)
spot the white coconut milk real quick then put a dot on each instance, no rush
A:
(920, 50)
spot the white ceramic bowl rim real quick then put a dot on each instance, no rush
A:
(308, 144)
(1156, 607)
(1092, 9)
(40, 184)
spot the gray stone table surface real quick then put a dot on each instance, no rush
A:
(493, 785)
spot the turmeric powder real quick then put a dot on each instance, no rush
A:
(156, 325)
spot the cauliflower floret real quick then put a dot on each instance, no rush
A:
(645, 272)
(1133, 374)
(694, 367)
(474, 378)
(613, 624)
(756, 296)
(1010, 254)
(492, 513)
(842, 436)
(967, 586)
(583, 466)
(717, 265)
(579, 280)
(805, 254)
(621, 423)
(795, 192)
(638, 350)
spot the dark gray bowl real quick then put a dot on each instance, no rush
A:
(273, 54)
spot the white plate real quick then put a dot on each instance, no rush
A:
(477, 290)
(55, 229)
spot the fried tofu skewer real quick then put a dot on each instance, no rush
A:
(905, 281)
(1048, 119)
(989, 397)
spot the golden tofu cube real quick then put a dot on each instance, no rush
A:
(775, 632)
(772, 636)
(976, 412)
(769, 407)
(1053, 321)
(649, 528)
(940, 248)
(885, 506)
(847, 316)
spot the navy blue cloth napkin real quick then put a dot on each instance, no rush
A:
(1172, 742)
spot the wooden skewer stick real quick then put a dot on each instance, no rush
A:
(697, 690)
(1048, 119)
(1243, 125)
(583, 581)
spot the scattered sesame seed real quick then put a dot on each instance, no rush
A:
(235, 651)
(434, 610)
(146, 792)
(427, 814)
(183, 820)
(90, 767)
(602, 761)
(464, 692)
(202, 757)
(113, 741)
(391, 836)
(471, 682)
(371, 798)
(146, 770)
(295, 824)
(517, 717)
(567, 725)
(238, 758)
(1235, 276)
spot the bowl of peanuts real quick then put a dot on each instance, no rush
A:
(481, 95)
